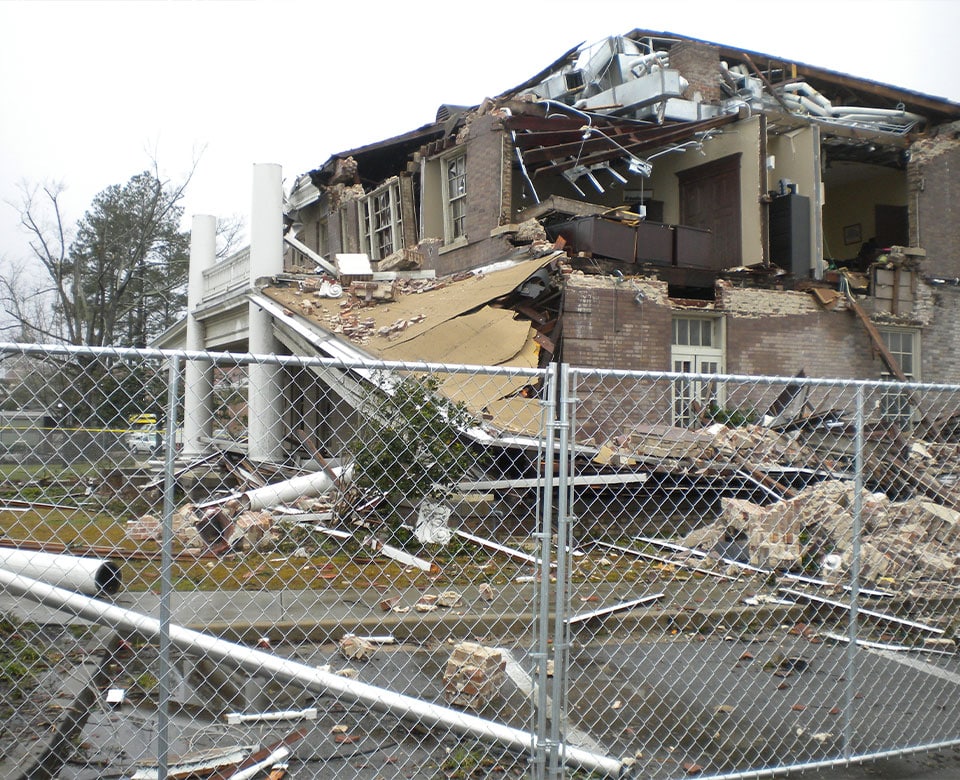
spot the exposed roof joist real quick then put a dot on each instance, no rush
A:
(558, 143)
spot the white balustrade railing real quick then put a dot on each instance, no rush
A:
(227, 276)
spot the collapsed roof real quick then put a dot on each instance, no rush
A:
(624, 94)
(467, 319)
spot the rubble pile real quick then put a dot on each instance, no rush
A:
(763, 446)
(715, 446)
(900, 540)
(220, 528)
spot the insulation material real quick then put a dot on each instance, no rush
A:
(488, 337)
(496, 397)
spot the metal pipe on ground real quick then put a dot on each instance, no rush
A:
(259, 662)
(305, 485)
(93, 576)
(316, 483)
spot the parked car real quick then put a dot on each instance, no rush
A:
(144, 442)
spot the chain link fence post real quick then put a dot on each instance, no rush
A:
(564, 548)
(849, 711)
(164, 686)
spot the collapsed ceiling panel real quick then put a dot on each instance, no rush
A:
(451, 323)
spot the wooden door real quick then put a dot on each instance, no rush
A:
(710, 200)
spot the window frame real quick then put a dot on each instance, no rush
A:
(381, 221)
(897, 405)
(454, 204)
(686, 393)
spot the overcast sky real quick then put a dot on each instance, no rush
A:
(92, 91)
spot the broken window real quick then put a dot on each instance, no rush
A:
(895, 405)
(381, 221)
(455, 198)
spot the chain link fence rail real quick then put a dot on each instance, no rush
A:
(456, 572)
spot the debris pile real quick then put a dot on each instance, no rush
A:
(901, 540)
(764, 447)
(714, 446)
(219, 528)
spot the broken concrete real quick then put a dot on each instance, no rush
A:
(355, 648)
(474, 675)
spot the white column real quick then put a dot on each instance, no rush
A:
(198, 381)
(265, 392)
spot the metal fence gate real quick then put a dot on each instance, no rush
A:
(457, 572)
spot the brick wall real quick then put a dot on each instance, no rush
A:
(829, 344)
(933, 179)
(699, 64)
(604, 326)
(767, 332)
(483, 144)
(939, 355)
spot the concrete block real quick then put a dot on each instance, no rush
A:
(474, 675)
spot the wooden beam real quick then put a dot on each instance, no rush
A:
(876, 339)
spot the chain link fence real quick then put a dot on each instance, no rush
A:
(458, 572)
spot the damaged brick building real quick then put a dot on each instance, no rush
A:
(718, 211)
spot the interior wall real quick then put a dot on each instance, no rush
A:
(743, 137)
(794, 158)
(850, 203)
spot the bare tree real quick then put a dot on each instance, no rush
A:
(29, 297)
(230, 234)
(29, 316)
(118, 280)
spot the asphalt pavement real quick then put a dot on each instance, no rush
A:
(669, 681)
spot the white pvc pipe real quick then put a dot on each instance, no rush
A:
(255, 769)
(313, 484)
(92, 576)
(883, 113)
(259, 662)
(813, 107)
(802, 88)
(234, 718)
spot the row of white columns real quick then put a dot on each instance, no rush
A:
(264, 389)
